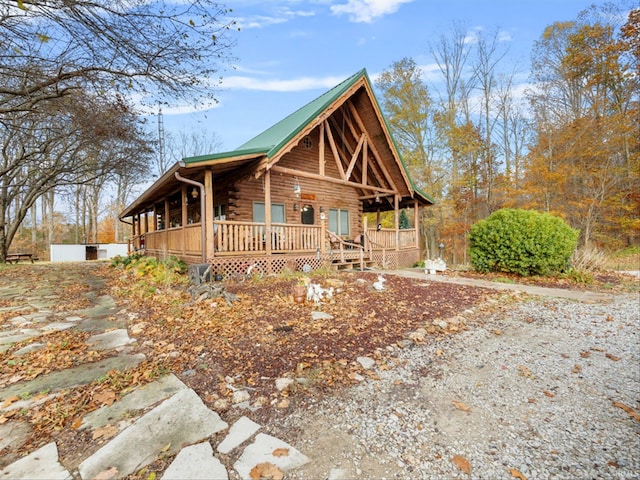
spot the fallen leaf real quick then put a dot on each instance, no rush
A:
(630, 411)
(107, 431)
(462, 463)
(576, 368)
(14, 379)
(166, 448)
(611, 357)
(609, 318)
(77, 422)
(266, 470)
(439, 353)
(524, 372)
(106, 397)
(107, 474)
(585, 354)
(497, 332)
(8, 401)
(281, 452)
(284, 403)
(598, 349)
(532, 400)
(517, 474)
(548, 393)
(461, 406)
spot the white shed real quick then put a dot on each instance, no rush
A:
(81, 252)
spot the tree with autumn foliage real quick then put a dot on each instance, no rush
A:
(583, 164)
(409, 111)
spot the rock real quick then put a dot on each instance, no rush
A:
(110, 340)
(32, 347)
(337, 474)
(239, 432)
(321, 316)
(41, 464)
(240, 396)
(284, 383)
(441, 324)
(366, 362)
(221, 404)
(417, 337)
(261, 451)
(196, 463)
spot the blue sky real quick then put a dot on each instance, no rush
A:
(290, 51)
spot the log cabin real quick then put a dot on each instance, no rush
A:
(295, 196)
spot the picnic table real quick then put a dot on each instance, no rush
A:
(16, 257)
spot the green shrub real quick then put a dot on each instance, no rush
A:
(525, 242)
(167, 271)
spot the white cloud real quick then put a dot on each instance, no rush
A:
(367, 10)
(292, 85)
(282, 15)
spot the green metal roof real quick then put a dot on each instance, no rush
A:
(272, 139)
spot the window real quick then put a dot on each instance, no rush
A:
(339, 221)
(220, 212)
(277, 212)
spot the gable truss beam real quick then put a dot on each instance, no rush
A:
(354, 157)
(377, 175)
(374, 150)
(342, 156)
(315, 176)
(334, 150)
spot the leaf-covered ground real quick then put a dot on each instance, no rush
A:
(265, 335)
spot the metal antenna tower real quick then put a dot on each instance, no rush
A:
(161, 164)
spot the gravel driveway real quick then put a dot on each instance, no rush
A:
(537, 388)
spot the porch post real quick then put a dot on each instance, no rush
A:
(267, 210)
(416, 222)
(154, 221)
(207, 216)
(397, 219)
(167, 213)
(183, 214)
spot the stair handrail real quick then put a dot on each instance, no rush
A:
(335, 238)
(371, 243)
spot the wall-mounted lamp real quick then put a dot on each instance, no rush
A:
(377, 197)
(321, 209)
(195, 193)
(295, 207)
(296, 189)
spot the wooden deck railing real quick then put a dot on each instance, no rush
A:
(233, 238)
(386, 238)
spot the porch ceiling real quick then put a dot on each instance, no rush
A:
(167, 184)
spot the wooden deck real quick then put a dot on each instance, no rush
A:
(291, 246)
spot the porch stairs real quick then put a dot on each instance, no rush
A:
(353, 264)
(348, 255)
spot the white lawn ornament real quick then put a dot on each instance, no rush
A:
(379, 285)
(316, 293)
